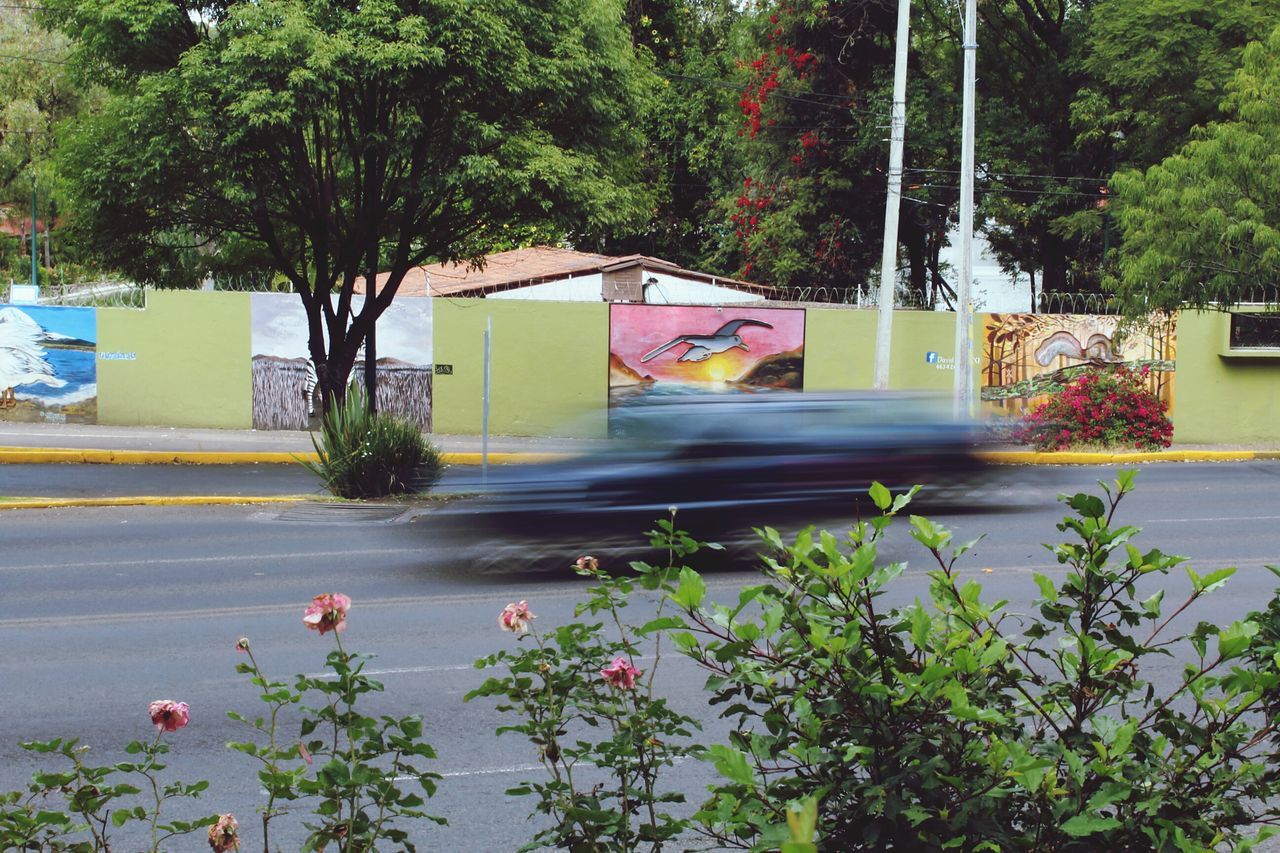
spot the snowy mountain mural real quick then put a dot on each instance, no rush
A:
(48, 369)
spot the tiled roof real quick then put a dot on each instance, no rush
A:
(521, 267)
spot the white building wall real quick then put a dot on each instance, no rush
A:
(673, 290)
(669, 290)
(585, 288)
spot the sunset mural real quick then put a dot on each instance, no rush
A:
(664, 349)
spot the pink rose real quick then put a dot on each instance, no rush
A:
(621, 674)
(586, 565)
(515, 617)
(328, 612)
(168, 715)
(224, 835)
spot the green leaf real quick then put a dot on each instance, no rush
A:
(1084, 824)
(880, 496)
(690, 592)
(732, 764)
(1048, 589)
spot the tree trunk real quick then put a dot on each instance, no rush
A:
(917, 270)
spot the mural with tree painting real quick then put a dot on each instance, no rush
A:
(1026, 357)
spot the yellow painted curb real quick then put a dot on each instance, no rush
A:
(503, 458)
(1031, 457)
(47, 455)
(150, 500)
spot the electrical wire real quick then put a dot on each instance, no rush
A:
(996, 176)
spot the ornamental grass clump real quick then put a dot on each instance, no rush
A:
(365, 455)
(1109, 408)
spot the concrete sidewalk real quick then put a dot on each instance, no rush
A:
(49, 443)
(45, 443)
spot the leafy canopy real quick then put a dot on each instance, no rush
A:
(1203, 226)
(340, 137)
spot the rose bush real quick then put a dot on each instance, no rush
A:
(1112, 407)
(351, 767)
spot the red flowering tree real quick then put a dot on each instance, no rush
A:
(808, 207)
(1108, 408)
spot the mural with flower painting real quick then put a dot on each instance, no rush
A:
(1027, 357)
(661, 350)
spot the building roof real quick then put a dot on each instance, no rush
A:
(534, 265)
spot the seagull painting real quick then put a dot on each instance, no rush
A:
(22, 359)
(702, 347)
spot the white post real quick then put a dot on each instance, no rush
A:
(484, 411)
(893, 200)
(964, 313)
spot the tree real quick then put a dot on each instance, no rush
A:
(342, 137)
(686, 43)
(807, 205)
(37, 90)
(1158, 68)
(1203, 226)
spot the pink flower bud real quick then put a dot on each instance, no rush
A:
(515, 617)
(168, 715)
(327, 612)
(621, 674)
(225, 834)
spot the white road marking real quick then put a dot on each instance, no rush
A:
(226, 558)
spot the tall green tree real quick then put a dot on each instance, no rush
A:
(684, 155)
(37, 90)
(340, 137)
(1202, 227)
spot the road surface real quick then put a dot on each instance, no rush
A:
(103, 610)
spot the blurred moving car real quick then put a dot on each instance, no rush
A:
(733, 462)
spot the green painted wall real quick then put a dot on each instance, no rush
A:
(191, 364)
(1222, 400)
(550, 370)
(840, 350)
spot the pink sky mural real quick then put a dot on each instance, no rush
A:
(635, 330)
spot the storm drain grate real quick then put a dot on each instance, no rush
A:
(342, 513)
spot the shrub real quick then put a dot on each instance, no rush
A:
(586, 705)
(1109, 408)
(371, 456)
(948, 724)
(352, 766)
(957, 724)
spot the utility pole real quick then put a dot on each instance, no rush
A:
(893, 200)
(964, 314)
(35, 253)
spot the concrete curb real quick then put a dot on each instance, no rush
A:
(150, 500)
(1031, 457)
(47, 455)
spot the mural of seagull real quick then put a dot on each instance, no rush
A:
(22, 359)
(702, 347)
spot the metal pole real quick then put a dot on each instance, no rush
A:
(35, 254)
(893, 200)
(964, 313)
(484, 411)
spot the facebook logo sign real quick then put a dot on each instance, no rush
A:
(931, 358)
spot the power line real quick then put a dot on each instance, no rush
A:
(34, 59)
(996, 176)
(835, 102)
(1004, 190)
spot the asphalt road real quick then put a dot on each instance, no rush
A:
(103, 610)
